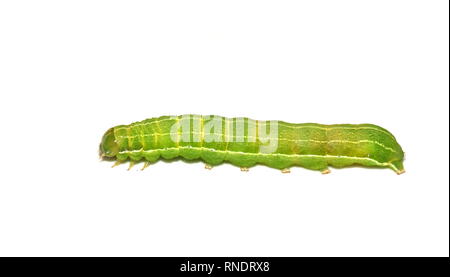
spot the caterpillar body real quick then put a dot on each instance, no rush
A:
(246, 142)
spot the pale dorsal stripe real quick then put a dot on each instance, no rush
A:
(375, 162)
(285, 124)
(332, 127)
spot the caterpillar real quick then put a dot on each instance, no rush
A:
(245, 142)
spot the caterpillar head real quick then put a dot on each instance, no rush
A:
(109, 147)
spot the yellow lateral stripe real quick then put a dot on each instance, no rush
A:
(258, 154)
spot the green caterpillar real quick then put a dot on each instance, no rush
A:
(245, 142)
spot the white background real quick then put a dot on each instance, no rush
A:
(69, 70)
